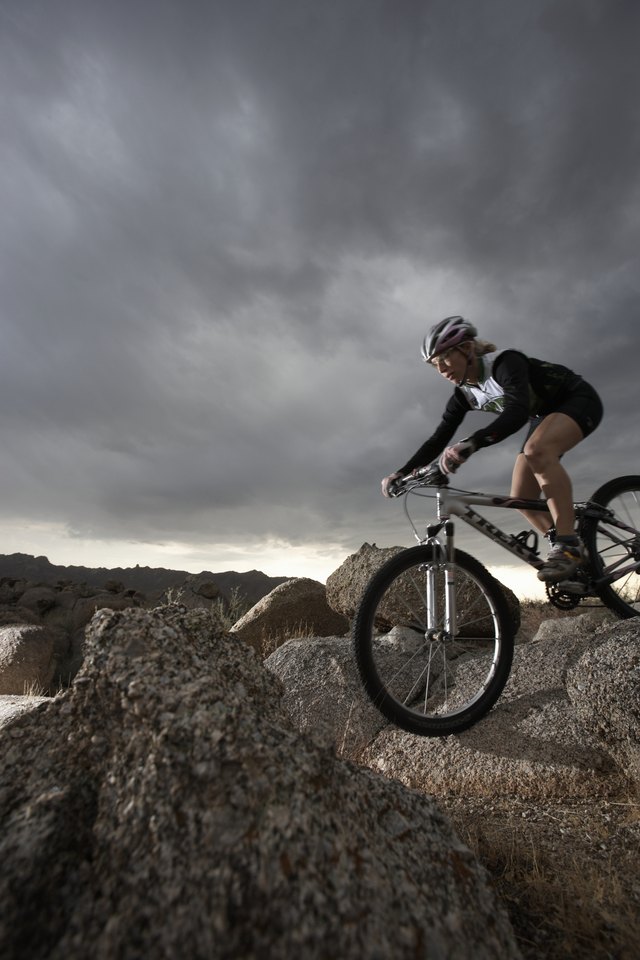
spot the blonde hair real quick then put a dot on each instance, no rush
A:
(480, 347)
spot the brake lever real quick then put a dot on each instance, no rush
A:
(430, 476)
(433, 475)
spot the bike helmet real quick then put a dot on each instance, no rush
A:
(448, 333)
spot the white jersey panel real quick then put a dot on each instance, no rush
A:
(487, 394)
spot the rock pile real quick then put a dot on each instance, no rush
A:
(27, 658)
(42, 625)
(347, 584)
(298, 607)
(42, 629)
(164, 806)
(604, 689)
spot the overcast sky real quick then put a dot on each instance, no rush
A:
(226, 227)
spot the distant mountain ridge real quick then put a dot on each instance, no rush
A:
(152, 581)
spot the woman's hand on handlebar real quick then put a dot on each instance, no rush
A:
(388, 482)
(396, 483)
(430, 476)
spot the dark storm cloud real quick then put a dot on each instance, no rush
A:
(226, 226)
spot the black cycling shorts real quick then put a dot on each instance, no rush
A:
(583, 405)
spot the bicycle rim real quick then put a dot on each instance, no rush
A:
(613, 548)
(421, 674)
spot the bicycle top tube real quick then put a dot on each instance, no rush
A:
(455, 502)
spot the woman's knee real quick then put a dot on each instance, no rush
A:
(523, 481)
(540, 455)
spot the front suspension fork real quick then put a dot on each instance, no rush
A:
(450, 623)
(448, 555)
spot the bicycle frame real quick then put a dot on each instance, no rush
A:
(459, 503)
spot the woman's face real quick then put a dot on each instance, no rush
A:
(453, 364)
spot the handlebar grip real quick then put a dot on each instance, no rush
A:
(431, 476)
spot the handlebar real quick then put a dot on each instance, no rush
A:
(430, 476)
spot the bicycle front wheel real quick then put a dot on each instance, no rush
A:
(433, 641)
(613, 543)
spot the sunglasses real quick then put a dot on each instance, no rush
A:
(443, 358)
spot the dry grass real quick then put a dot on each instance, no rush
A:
(566, 873)
(535, 612)
(224, 612)
(270, 640)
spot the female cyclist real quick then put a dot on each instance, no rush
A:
(560, 406)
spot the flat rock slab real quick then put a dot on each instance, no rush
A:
(532, 744)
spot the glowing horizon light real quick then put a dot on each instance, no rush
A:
(274, 558)
(522, 580)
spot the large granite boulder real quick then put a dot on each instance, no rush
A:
(323, 691)
(346, 586)
(39, 599)
(604, 688)
(27, 658)
(12, 705)
(297, 607)
(164, 807)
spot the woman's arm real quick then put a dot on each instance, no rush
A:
(452, 417)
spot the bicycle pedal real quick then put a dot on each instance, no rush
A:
(577, 588)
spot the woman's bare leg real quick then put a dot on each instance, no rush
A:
(525, 486)
(556, 434)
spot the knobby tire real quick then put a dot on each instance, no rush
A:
(398, 659)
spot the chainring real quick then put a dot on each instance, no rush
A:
(560, 599)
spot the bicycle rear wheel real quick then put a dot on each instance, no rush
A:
(613, 548)
(422, 672)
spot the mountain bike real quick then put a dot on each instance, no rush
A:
(434, 633)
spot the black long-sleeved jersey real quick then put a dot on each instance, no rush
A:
(514, 386)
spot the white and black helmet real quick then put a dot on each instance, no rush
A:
(448, 333)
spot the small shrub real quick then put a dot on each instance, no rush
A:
(225, 612)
